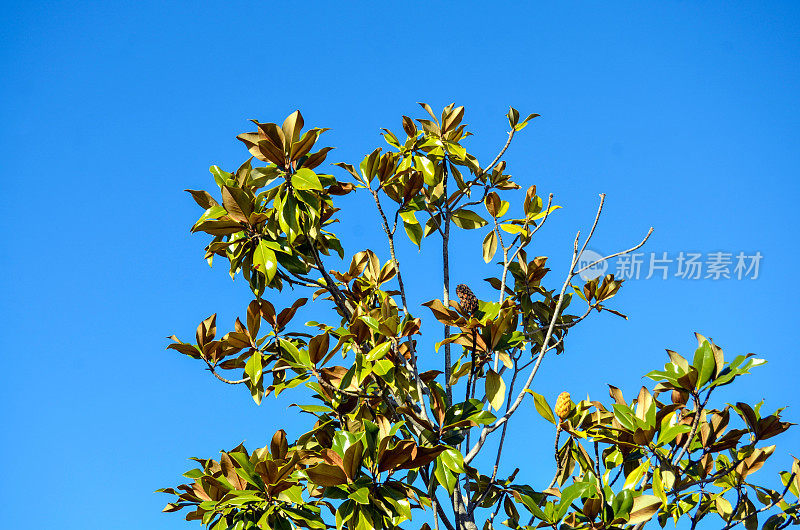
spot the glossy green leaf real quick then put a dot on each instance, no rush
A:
(547, 212)
(445, 477)
(264, 260)
(467, 219)
(414, 232)
(513, 229)
(644, 508)
(542, 407)
(361, 496)
(704, 363)
(622, 504)
(305, 179)
(379, 351)
(220, 177)
(252, 368)
(489, 246)
(495, 389)
(453, 459)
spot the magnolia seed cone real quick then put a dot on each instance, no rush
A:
(563, 405)
(468, 300)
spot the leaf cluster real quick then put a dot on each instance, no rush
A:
(390, 439)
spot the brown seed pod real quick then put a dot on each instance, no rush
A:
(469, 302)
(563, 405)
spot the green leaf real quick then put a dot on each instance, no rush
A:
(644, 508)
(625, 416)
(704, 363)
(489, 246)
(215, 212)
(622, 504)
(264, 260)
(414, 232)
(246, 469)
(425, 165)
(314, 408)
(342, 441)
(257, 392)
(635, 476)
(495, 389)
(670, 433)
(287, 217)
(504, 205)
(513, 229)
(382, 368)
(467, 219)
(445, 477)
(220, 177)
(453, 459)
(412, 226)
(252, 368)
(299, 356)
(305, 179)
(724, 507)
(541, 215)
(658, 486)
(542, 407)
(513, 116)
(361, 496)
(194, 473)
(432, 224)
(344, 513)
(570, 493)
(372, 323)
(379, 351)
(483, 417)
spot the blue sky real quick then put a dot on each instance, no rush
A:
(684, 113)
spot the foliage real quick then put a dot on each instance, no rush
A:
(389, 440)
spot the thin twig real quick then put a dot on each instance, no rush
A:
(228, 381)
(489, 428)
(594, 225)
(338, 298)
(614, 255)
(480, 499)
(695, 424)
(767, 507)
(545, 348)
(483, 172)
(390, 236)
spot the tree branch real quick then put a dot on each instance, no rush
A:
(228, 381)
(556, 312)
(695, 424)
(765, 508)
(483, 172)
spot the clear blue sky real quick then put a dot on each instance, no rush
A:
(685, 113)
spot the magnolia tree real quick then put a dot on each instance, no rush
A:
(393, 444)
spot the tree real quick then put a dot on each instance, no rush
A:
(390, 440)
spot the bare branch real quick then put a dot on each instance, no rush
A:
(614, 255)
(228, 381)
(338, 298)
(501, 153)
(695, 424)
(594, 225)
(767, 507)
(489, 428)
(552, 324)
(483, 172)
